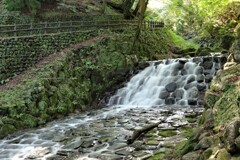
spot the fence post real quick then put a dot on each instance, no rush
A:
(71, 26)
(45, 28)
(31, 27)
(59, 26)
(15, 30)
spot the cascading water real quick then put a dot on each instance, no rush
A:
(102, 134)
(169, 82)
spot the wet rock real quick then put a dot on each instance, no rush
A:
(110, 157)
(179, 66)
(178, 94)
(199, 70)
(124, 151)
(191, 156)
(201, 86)
(197, 59)
(190, 79)
(184, 72)
(230, 134)
(193, 93)
(137, 144)
(170, 101)
(200, 78)
(207, 64)
(117, 145)
(171, 87)
(39, 152)
(208, 78)
(65, 153)
(73, 145)
(192, 101)
(183, 61)
(88, 143)
(190, 85)
(164, 94)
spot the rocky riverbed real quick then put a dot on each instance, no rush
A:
(103, 134)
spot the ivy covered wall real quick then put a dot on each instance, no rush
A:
(17, 54)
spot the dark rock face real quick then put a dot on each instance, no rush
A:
(178, 94)
(199, 70)
(164, 94)
(190, 79)
(230, 134)
(208, 78)
(201, 86)
(207, 64)
(200, 78)
(192, 101)
(170, 101)
(171, 87)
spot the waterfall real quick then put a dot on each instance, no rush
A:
(169, 82)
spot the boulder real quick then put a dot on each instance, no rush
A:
(191, 156)
(199, 70)
(207, 64)
(178, 94)
(170, 101)
(230, 134)
(193, 93)
(208, 78)
(201, 86)
(204, 143)
(237, 142)
(190, 79)
(200, 78)
(192, 101)
(171, 87)
(223, 155)
(164, 94)
(197, 59)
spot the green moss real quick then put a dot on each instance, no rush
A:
(152, 142)
(207, 153)
(6, 130)
(223, 155)
(187, 131)
(190, 120)
(157, 156)
(167, 133)
(180, 42)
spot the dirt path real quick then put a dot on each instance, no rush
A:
(46, 60)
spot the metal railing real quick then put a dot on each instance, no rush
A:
(69, 26)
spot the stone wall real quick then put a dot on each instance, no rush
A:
(17, 54)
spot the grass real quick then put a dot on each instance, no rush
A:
(180, 42)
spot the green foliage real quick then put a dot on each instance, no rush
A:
(180, 42)
(16, 5)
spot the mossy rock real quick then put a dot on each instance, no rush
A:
(190, 120)
(6, 130)
(207, 153)
(167, 133)
(152, 142)
(223, 155)
(211, 98)
(187, 131)
(157, 156)
(205, 51)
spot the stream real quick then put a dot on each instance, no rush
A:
(168, 92)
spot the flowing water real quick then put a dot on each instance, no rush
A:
(166, 92)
